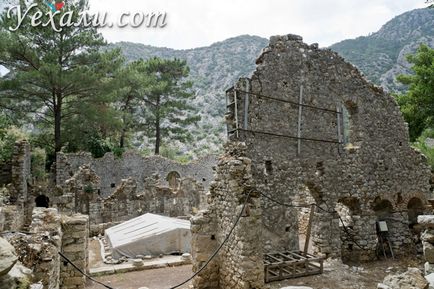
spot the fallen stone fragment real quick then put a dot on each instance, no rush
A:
(412, 279)
(8, 257)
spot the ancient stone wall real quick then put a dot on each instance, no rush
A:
(21, 171)
(75, 247)
(113, 170)
(81, 194)
(234, 214)
(312, 123)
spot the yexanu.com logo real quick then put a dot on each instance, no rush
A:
(63, 14)
(57, 6)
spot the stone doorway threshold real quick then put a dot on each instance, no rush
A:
(166, 261)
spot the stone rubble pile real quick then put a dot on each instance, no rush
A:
(12, 273)
(412, 279)
(427, 237)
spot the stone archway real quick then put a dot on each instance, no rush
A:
(173, 178)
(382, 208)
(42, 201)
(349, 215)
(415, 208)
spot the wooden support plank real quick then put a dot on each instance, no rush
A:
(294, 265)
(300, 257)
(272, 257)
(290, 258)
(309, 230)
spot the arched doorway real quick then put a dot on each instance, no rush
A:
(383, 209)
(42, 201)
(415, 208)
(386, 226)
(348, 210)
(173, 178)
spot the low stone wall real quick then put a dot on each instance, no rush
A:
(75, 247)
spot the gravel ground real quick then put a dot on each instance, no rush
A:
(163, 278)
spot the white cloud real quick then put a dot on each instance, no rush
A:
(193, 23)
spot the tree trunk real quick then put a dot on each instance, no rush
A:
(157, 128)
(157, 135)
(122, 140)
(57, 123)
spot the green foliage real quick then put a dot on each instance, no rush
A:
(8, 138)
(39, 158)
(55, 75)
(174, 154)
(421, 144)
(417, 105)
(169, 111)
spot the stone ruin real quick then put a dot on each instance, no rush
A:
(308, 128)
(112, 170)
(40, 221)
(305, 131)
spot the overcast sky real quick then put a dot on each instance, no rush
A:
(195, 23)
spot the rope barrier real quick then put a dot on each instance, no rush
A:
(219, 248)
(83, 273)
(324, 210)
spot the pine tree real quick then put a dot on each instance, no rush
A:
(54, 74)
(169, 110)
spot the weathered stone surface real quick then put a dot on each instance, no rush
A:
(238, 266)
(17, 277)
(428, 268)
(430, 279)
(296, 287)
(138, 262)
(8, 257)
(427, 236)
(412, 279)
(428, 252)
(426, 220)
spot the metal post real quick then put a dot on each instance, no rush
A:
(300, 108)
(338, 119)
(246, 105)
(236, 113)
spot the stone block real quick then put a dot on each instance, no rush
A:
(8, 257)
(428, 268)
(426, 220)
(428, 252)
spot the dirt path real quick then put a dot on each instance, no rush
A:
(153, 279)
(336, 276)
